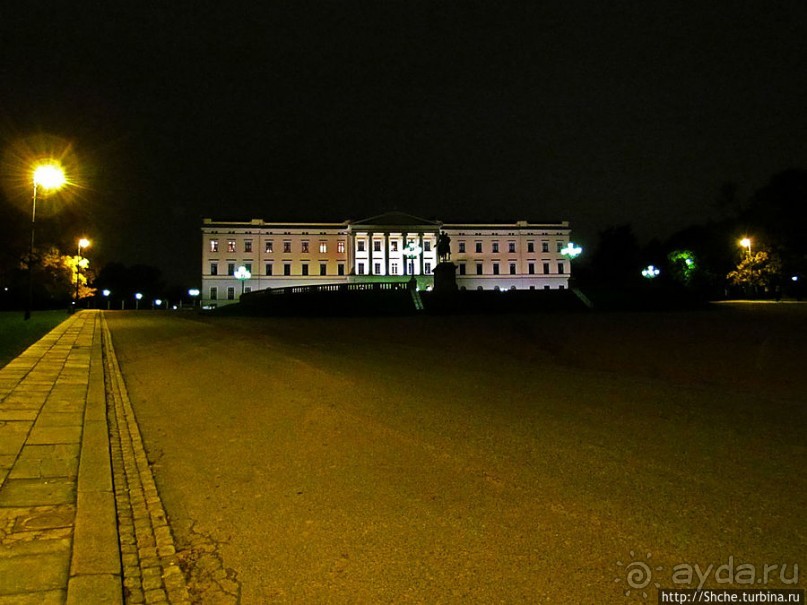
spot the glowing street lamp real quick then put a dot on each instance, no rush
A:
(106, 294)
(242, 274)
(194, 294)
(650, 272)
(746, 243)
(571, 251)
(138, 297)
(48, 175)
(82, 243)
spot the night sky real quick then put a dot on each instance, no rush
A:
(599, 113)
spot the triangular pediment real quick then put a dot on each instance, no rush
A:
(395, 219)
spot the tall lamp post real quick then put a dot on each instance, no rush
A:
(746, 243)
(46, 176)
(82, 243)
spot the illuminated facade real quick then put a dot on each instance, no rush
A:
(244, 256)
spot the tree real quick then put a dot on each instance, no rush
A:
(757, 273)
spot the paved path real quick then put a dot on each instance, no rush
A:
(66, 486)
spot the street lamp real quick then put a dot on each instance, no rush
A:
(571, 251)
(106, 294)
(746, 243)
(82, 243)
(138, 296)
(650, 272)
(46, 176)
(194, 293)
(242, 274)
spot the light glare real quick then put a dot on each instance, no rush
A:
(49, 176)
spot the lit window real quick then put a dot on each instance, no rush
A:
(214, 293)
(214, 268)
(340, 247)
(427, 268)
(304, 247)
(286, 246)
(394, 245)
(214, 245)
(269, 246)
(248, 245)
(323, 247)
(511, 246)
(230, 245)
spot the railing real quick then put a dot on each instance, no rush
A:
(355, 287)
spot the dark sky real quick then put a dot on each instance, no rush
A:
(599, 113)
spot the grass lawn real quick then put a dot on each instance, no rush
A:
(16, 334)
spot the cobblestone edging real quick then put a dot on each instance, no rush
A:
(151, 573)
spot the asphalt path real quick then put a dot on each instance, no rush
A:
(560, 458)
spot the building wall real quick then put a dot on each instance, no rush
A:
(520, 255)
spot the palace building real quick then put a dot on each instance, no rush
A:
(244, 256)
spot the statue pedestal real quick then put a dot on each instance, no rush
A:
(445, 277)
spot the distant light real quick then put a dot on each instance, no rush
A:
(49, 176)
(650, 272)
(106, 292)
(412, 250)
(83, 243)
(795, 278)
(194, 291)
(571, 250)
(745, 242)
(242, 273)
(173, 307)
(138, 296)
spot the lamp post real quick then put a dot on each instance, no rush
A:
(106, 294)
(242, 274)
(194, 293)
(82, 243)
(138, 296)
(46, 176)
(746, 243)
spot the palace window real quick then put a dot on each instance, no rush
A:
(340, 269)
(214, 292)
(230, 268)
(376, 245)
(230, 293)
(531, 268)
(427, 268)
(495, 246)
(427, 246)
(323, 247)
(230, 245)
(287, 269)
(360, 245)
(269, 247)
(268, 268)
(546, 268)
(393, 245)
(461, 246)
(360, 268)
(560, 268)
(305, 268)
(511, 246)
(286, 246)
(462, 268)
(544, 246)
(377, 267)
(214, 268)
(478, 247)
(530, 246)
(247, 289)
(248, 245)
(304, 245)
(340, 247)
(495, 268)
(394, 268)
(323, 268)
(214, 245)
(559, 246)
(512, 268)
(479, 268)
